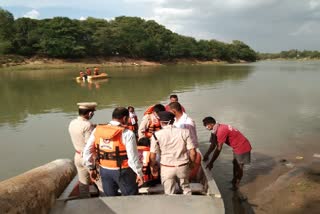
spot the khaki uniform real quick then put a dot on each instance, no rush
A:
(143, 126)
(173, 144)
(80, 130)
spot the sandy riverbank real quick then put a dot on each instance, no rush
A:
(297, 191)
(289, 184)
(285, 184)
(9, 61)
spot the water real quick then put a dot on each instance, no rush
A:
(275, 104)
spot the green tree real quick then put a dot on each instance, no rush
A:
(62, 37)
(96, 33)
(240, 50)
(26, 37)
(6, 31)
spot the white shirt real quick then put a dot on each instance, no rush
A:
(186, 122)
(128, 139)
(132, 116)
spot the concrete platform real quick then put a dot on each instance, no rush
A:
(155, 204)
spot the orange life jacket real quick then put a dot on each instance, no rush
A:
(149, 110)
(130, 125)
(153, 125)
(111, 151)
(144, 158)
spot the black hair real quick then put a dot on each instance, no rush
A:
(144, 142)
(208, 120)
(176, 106)
(171, 121)
(158, 107)
(119, 113)
(83, 112)
(129, 107)
(173, 96)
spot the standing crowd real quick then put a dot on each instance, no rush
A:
(162, 149)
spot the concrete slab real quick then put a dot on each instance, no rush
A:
(155, 204)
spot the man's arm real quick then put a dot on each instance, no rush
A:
(153, 164)
(87, 131)
(213, 145)
(191, 126)
(215, 155)
(143, 126)
(89, 152)
(129, 140)
(192, 155)
(154, 149)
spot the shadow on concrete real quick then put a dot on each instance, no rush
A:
(93, 205)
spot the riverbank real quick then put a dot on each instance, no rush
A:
(290, 59)
(272, 184)
(297, 191)
(289, 184)
(36, 62)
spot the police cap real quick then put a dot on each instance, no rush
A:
(87, 105)
(166, 116)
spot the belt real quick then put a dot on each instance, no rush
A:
(78, 152)
(175, 166)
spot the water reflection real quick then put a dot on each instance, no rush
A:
(96, 84)
(40, 91)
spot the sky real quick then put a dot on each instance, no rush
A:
(265, 25)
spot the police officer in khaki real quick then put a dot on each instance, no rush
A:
(176, 153)
(80, 130)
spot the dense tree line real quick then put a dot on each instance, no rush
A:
(131, 37)
(291, 54)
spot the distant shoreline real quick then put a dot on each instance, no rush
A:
(291, 59)
(38, 62)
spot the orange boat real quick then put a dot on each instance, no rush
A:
(94, 77)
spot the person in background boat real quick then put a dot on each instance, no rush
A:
(88, 71)
(80, 130)
(116, 151)
(220, 134)
(83, 75)
(133, 121)
(174, 98)
(150, 121)
(96, 71)
(176, 151)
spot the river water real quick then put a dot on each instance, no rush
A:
(275, 104)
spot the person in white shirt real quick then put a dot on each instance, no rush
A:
(114, 148)
(182, 120)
